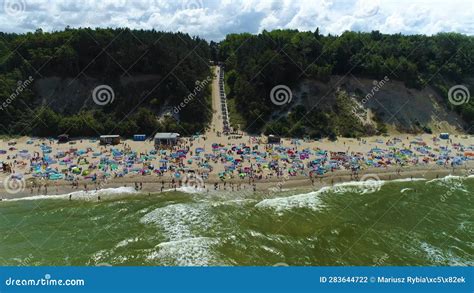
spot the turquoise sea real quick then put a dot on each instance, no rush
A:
(399, 223)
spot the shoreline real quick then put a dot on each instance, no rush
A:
(153, 184)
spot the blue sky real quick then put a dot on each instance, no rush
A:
(213, 19)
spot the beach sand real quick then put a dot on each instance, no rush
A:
(153, 183)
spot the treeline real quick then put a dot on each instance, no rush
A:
(257, 63)
(254, 65)
(177, 60)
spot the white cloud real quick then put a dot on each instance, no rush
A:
(213, 19)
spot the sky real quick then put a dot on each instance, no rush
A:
(213, 19)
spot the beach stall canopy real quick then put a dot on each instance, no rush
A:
(166, 138)
(139, 137)
(110, 139)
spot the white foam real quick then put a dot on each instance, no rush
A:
(190, 189)
(433, 253)
(126, 242)
(452, 182)
(180, 223)
(405, 190)
(448, 178)
(362, 187)
(313, 201)
(195, 251)
(179, 220)
(186, 189)
(37, 197)
(307, 200)
(81, 194)
(406, 180)
(439, 257)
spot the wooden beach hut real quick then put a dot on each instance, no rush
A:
(110, 139)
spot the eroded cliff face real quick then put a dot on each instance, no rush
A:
(389, 101)
(69, 95)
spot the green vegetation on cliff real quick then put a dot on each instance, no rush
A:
(149, 72)
(153, 73)
(257, 63)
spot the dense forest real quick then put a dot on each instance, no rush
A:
(86, 57)
(257, 63)
(43, 73)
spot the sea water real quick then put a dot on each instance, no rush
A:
(405, 222)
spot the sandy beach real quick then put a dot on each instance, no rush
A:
(268, 180)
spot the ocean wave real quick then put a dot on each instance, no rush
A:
(309, 200)
(182, 223)
(196, 251)
(450, 178)
(451, 182)
(405, 180)
(186, 189)
(126, 242)
(436, 255)
(443, 179)
(179, 221)
(106, 192)
(313, 201)
(190, 189)
(405, 190)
